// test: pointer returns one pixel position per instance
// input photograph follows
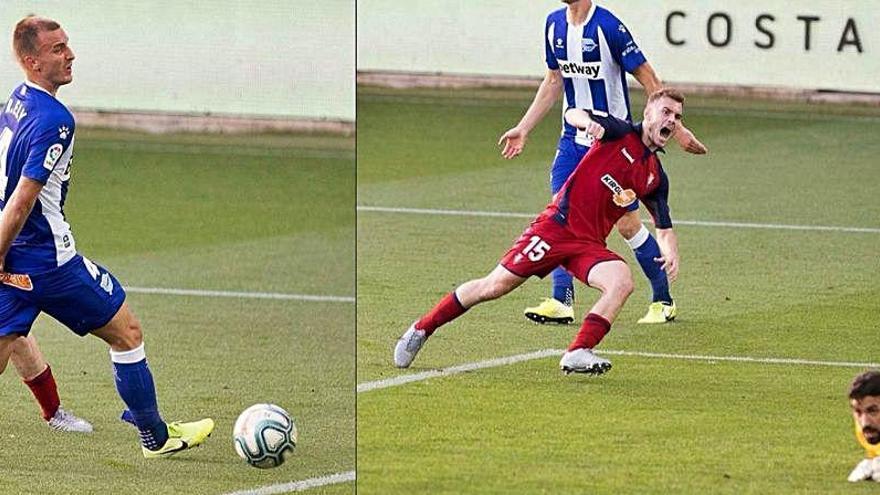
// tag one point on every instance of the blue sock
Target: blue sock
(134, 382)
(563, 286)
(646, 249)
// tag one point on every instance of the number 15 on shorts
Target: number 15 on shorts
(536, 249)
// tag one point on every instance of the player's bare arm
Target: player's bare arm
(668, 241)
(514, 140)
(581, 119)
(17, 209)
(647, 77)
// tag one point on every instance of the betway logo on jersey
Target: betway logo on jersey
(621, 197)
(580, 70)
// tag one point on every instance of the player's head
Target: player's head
(662, 115)
(40, 45)
(864, 397)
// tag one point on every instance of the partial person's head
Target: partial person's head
(864, 398)
(662, 116)
(40, 45)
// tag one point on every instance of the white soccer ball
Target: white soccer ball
(264, 434)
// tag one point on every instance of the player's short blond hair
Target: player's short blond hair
(672, 93)
(24, 38)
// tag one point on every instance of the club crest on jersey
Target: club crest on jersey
(621, 197)
(588, 45)
(52, 156)
(559, 43)
(580, 70)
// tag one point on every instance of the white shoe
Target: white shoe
(65, 421)
(584, 361)
(408, 346)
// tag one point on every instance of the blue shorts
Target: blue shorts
(80, 294)
(568, 155)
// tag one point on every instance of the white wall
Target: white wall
(282, 58)
(504, 37)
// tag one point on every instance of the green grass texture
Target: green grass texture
(249, 213)
(652, 425)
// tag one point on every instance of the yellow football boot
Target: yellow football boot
(182, 436)
(550, 311)
(659, 312)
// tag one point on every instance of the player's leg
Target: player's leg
(134, 383)
(559, 307)
(37, 375)
(5, 350)
(646, 249)
(494, 285)
(614, 279)
(87, 298)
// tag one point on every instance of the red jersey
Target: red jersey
(617, 171)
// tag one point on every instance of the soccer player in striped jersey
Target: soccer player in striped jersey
(40, 268)
(588, 53)
(864, 398)
(621, 168)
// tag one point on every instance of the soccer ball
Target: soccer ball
(264, 435)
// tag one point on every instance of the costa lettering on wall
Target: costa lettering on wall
(719, 29)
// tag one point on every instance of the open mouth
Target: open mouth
(665, 132)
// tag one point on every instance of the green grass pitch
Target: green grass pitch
(651, 425)
(260, 213)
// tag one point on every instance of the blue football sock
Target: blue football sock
(563, 286)
(134, 382)
(646, 249)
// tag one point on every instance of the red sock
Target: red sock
(445, 311)
(45, 391)
(591, 333)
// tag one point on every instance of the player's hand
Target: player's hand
(867, 470)
(689, 142)
(669, 264)
(514, 140)
(595, 130)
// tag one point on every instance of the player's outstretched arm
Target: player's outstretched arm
(668, 241)
(649, 79)
(514, 140)
(689, 142)
(581, 119)
(16, 211)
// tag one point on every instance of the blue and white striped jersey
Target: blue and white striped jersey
(36, 141)
(592, 58)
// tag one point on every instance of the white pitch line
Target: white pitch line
(245, 295)
(298, 486)
(519, 358)
(454, 370)
(698, 223)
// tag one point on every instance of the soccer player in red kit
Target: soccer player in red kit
(622, 168)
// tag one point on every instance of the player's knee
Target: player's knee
(133, 335)
(622, 288)
(492, 288)
(629, 226)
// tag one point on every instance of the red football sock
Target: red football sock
(591, 333)
(445, 311)
(45, 391)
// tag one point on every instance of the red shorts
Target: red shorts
(546, 244)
